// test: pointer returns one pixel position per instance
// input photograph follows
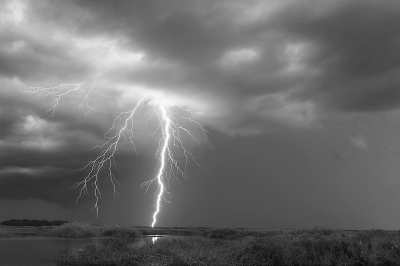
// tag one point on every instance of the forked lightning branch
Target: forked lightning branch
(170, 126)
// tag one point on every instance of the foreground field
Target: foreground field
(210, 246)
(250, 247)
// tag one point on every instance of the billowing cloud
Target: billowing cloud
(289, 57)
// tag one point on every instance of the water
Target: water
(40, 251)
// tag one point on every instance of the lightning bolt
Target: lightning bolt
(107, 155)
(170, 125)
(57, 93)
(164, 150)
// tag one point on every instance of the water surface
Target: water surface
(41, 251)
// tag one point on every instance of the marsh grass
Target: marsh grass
(323, 247)
(224, 233)
(120, 231)
(81, 230)
(192, 251)
(318, 246)
(109, 252)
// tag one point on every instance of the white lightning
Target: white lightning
(171, 124)
(107, 155)
(57, 93)
(161, 171)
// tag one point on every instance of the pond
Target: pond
(40, 251)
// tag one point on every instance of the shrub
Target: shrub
(75, 229)
(120, 231)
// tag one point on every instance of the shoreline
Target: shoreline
(46, 231)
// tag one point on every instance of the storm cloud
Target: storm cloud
(244, 65)
(250, 68)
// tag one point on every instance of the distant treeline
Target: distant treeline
(26, 222)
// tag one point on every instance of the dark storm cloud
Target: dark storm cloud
(249, 66)
(39, 156)
(192, 39)
(8, 118)
(37, 61)
(50, 174)
(357, 52)
(317, 56)
(336, 55)
(31, 55)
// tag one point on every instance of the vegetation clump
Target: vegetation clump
(76, 229)
(110, 252)
(364, 248)
(120, 231)
(81, 230)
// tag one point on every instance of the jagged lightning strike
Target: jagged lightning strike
(164, 149)
(170, 126)
(57, 93)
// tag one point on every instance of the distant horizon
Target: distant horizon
(268, 228)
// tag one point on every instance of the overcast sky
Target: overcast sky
(301, 102)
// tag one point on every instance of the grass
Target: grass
(224, 233)
(115, 252)
(318, 246)
(82, 230)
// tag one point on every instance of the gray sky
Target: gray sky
(300, 100)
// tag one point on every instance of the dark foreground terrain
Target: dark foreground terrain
(318, 246)
(247, 247)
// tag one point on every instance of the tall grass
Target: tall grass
(320, 250)
(308, 247)
(110, 252)
(120, 231)
(77, 229)
(224, 233)
(174, 252)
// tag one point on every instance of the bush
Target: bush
(77, 229)
(120, 231)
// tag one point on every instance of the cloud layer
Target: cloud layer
(245, 65)
(250, 67)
